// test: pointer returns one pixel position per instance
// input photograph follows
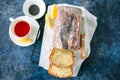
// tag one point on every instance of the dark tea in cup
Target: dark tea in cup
(22, 28)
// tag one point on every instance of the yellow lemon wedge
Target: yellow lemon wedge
(54, 11)
(25, 40)
(47, 20)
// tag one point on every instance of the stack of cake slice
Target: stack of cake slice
(61, 63)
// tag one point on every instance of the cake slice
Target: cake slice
(60, 72)
(62, 57)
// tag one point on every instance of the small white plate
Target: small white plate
(34, 25)
(39, 3)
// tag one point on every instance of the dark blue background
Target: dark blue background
(104, 60)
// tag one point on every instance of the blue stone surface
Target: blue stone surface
(102, 64)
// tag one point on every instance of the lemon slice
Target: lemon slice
(47, 20)
(54, 11)
(25, 40)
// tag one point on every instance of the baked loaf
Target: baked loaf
(60, 72)
(67, 28)
(62, 57)
(66, 39)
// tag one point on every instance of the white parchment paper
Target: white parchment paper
(90, 24)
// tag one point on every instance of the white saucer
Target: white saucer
(34, 25)
(39, 3)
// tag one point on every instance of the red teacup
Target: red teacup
(20, 27)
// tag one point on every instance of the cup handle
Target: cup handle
(11, 19)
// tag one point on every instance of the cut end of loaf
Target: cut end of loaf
(62, 57)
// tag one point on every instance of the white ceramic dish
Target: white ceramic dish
(34, 25)
(39, 3)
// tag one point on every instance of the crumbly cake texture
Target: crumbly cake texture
(61, 72)
(62, 57)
